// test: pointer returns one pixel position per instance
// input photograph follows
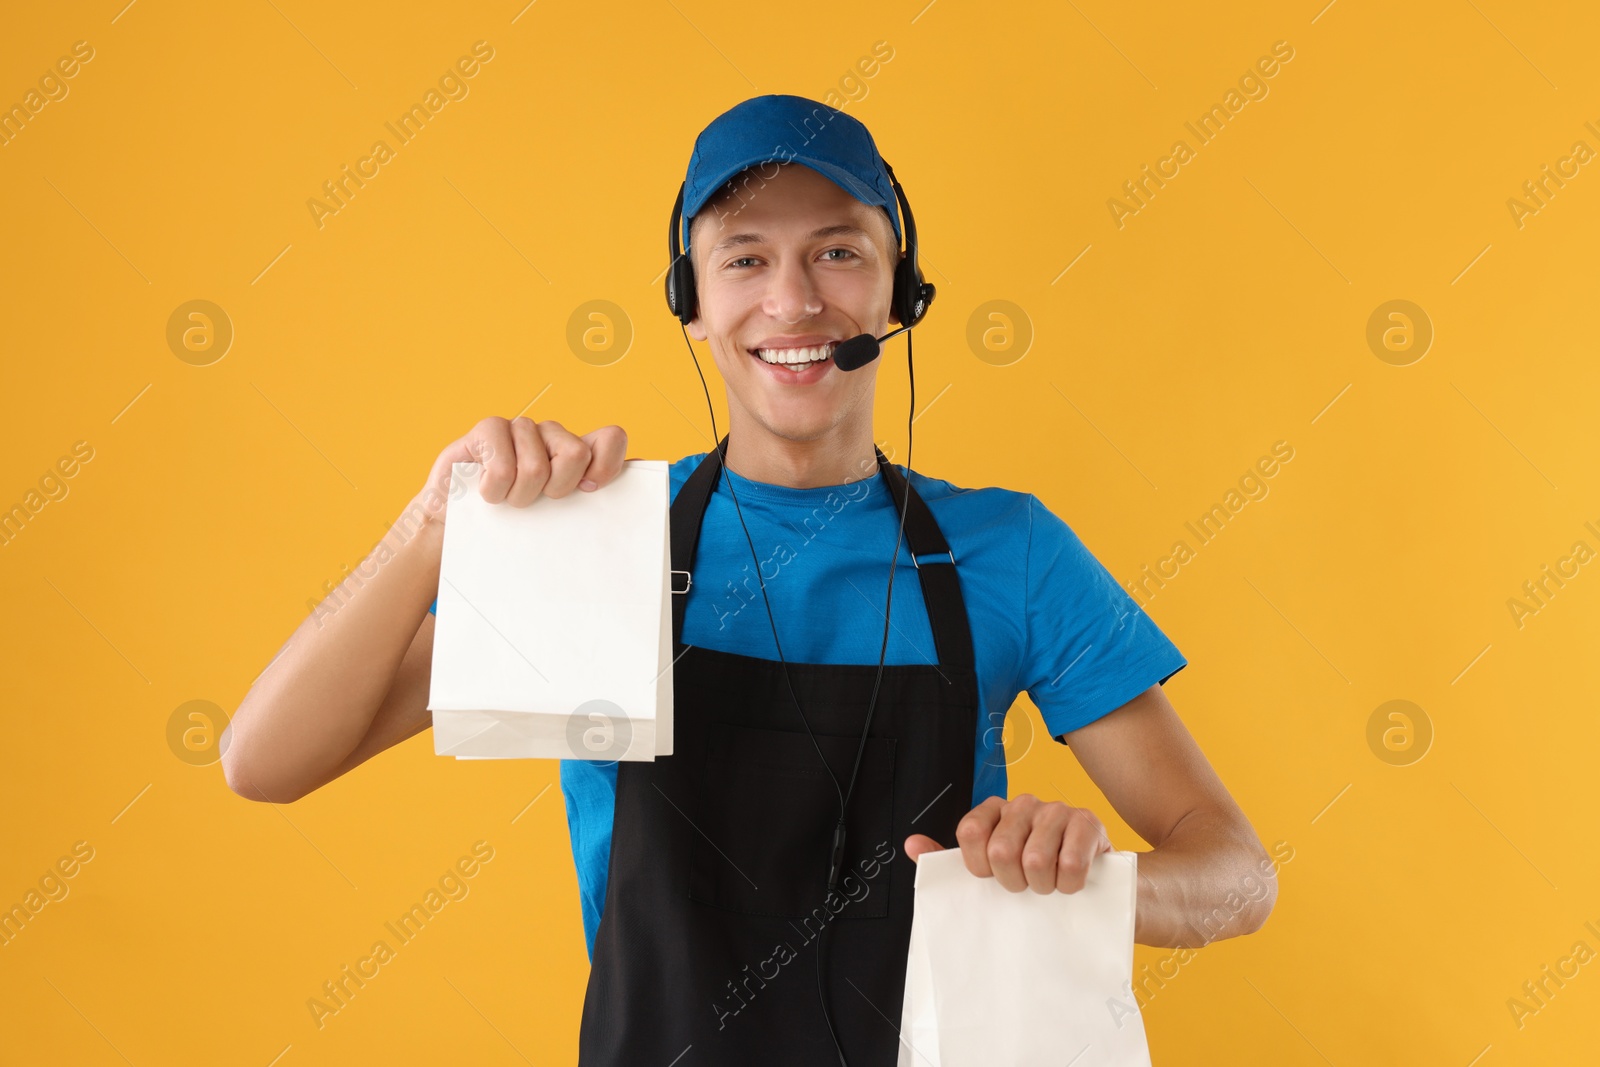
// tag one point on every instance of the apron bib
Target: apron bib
(717, 889)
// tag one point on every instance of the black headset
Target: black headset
(911, 295)
(910, 302)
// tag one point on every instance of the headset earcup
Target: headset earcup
(680, 289)
(691, 302)
(679, 282)
(909, 289)
(904, 298)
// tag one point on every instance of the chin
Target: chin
(802, 428)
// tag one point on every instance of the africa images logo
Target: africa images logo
(854, 890)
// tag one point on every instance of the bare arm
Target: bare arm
(353, 678)
(1207, 876)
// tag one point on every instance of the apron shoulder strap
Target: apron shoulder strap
(687, 512)
(941, 587)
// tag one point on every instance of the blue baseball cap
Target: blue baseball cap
(787, 129)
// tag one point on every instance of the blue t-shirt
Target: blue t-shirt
(1047, 618)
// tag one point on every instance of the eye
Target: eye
(742, 259)
(846, 251)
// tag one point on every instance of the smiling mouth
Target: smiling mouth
(795, 359)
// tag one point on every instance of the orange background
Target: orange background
(1229, 313)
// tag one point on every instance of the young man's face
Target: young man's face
(766, 278)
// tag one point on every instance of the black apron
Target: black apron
(719, 853)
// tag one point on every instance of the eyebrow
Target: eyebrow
(840, 230)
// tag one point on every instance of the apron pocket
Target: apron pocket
(766, 817)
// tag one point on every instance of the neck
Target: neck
(843, 455)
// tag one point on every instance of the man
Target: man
(706, 876)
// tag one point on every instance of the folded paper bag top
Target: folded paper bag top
(1023, 978)
(553, 637)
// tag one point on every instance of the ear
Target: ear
(696, 328)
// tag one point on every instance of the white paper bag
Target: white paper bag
(553, 637)
(1024, 979)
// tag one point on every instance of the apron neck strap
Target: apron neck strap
(930, 554)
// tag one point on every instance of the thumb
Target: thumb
(917, 844)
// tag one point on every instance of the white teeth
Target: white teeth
(797, 355)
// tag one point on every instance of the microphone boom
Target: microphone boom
(861, 349)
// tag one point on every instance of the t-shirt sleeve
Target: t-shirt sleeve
(433, 609)
(1090, 647)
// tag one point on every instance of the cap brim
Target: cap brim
(838, 175)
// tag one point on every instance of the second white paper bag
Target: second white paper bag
(1024, 979)
(553, 637)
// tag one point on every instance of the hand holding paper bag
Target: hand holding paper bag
(553, 637)
(1022, 979)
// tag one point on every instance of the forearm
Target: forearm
(316, 701)
(1209, 880)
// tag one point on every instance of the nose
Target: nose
(792, 295)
